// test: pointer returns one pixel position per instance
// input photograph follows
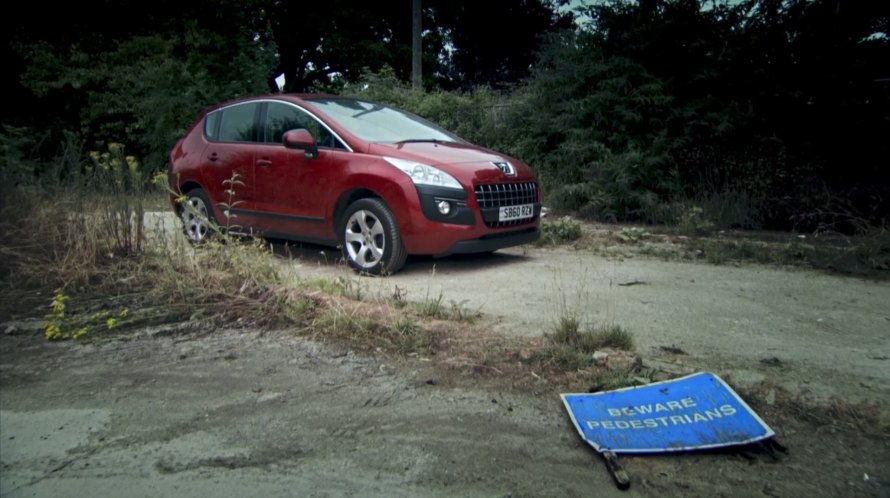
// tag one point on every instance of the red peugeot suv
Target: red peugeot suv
(380, 182)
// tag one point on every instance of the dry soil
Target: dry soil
(241, 412)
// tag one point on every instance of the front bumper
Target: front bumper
(467, 228)
(489, 243)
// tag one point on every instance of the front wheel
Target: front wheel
(370, 238)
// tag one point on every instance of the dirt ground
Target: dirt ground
(179, 412)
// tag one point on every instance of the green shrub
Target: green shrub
(631, 235)
(873, 252)
(692, 221)
(561, 231)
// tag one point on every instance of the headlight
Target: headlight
(421, 174)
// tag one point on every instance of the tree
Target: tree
(464, 43)
(595, 128)
(782, 98)
(140, 82)
(494, 42)
(322, 46)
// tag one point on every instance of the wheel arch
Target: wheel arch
(347, 198)
(187, 187)
(399, 195)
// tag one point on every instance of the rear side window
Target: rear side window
(236, 123)
(211, 125)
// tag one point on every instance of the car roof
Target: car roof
(298, 97)
(313, 96)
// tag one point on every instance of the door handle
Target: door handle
(263, 162)
(213, 156)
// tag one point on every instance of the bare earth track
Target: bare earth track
(251, 413)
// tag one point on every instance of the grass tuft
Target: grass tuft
(435, 307)
(568, 332)
(571, 348)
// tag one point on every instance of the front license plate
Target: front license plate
(519, 212)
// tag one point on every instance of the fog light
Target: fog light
(444, 207)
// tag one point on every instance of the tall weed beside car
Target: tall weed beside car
(69, 224)
(80, 229)
(120, 186)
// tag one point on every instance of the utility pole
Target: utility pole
(416, 48)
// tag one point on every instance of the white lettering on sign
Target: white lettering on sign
(691, 417)
(669, 406)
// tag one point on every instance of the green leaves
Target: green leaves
(147, 89)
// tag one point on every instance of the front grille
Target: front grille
(490, 197)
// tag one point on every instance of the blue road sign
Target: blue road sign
(695, 412)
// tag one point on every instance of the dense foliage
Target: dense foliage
(752, 113)
(787, 102)
(743, 114)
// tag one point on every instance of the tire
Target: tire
(370, 238)
(197, 217)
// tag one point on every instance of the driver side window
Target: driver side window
(282, 117)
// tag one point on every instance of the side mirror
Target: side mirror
(301, 139)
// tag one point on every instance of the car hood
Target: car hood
(462, 160)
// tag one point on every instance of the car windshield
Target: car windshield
(375, 122)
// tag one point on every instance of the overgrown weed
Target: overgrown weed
(833, 414)
(436, 307)
(865, 255)
(578, 352)
(692, 221)
(86, 233)
(571, 347)
(371, 327)
(560, 231)
(432, 307)
(631, 235)
(341, 286)
(569, 333)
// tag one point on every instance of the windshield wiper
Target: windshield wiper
(421, 140)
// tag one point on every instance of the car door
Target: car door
(229, 162)
(291, 186)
